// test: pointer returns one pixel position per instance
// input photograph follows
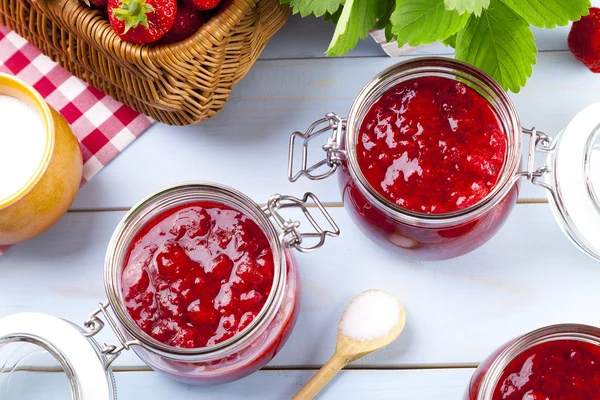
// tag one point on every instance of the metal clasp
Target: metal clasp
(94, 325)
(291, 234)
(333, 153)
(539, 142)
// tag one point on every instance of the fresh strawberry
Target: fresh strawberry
(584, 40)
(141, 21)
(187, 22)
(96, 3)
(202, 4)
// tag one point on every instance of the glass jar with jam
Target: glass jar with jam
(429, 161)
(202, 284)
(556, 362)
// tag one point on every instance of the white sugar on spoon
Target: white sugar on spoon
(371, 315)
(372, 320)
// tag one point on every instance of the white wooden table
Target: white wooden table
(458, 311)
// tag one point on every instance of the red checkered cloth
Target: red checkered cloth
(103, 126)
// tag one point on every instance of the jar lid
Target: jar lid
(575, 180)
(78, 355)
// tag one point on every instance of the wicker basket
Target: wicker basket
(178, 84)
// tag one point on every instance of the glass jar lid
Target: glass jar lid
(32, 343)
(574, 180)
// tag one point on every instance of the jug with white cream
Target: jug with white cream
(40, 163)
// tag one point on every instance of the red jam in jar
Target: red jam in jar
(197, 274)
(556, 370)
(432, 145)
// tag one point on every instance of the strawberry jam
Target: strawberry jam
(432, 145)
(556, 370)
(197, 274)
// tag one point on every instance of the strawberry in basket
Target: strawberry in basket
(96, 3)
(187, 22)
(141, 21)
(202, 4)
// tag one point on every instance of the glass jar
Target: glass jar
(232, 359)
(442, 236)
(487, 376)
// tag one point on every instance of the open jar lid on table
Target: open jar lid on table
(572, 177)
(31, 343)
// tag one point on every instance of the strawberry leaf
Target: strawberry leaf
(451, 41)
(549, 13)
(316, 7)
(384, 20)
(389, 36)
(357, 19)
(500, 43)
(467, 6)
(335, 17)
(419, 22)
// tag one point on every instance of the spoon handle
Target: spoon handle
(321, 378)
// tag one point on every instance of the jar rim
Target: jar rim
(577, 332)
(448, 68)
(165, 199)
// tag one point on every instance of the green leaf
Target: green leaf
(316, 7)
(335, 17)
(419, 22)
(384, 21)
(356, 20)
(549, 13)
(389, 36)
(133, 13)
(500, 43)
(467, 6)
(451, 41)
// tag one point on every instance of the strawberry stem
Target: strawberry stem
(133, 13)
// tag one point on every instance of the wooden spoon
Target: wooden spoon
(347, 351)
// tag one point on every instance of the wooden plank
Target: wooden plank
(246, 145)
(272, 385)
(280, 385)
(458, 311)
